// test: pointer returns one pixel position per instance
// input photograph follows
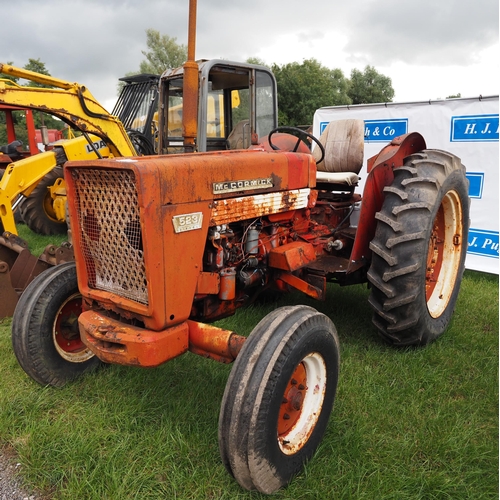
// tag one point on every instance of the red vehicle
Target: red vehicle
(15, 149)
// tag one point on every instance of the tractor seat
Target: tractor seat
(239, 138)
(344, 178)
(12, 148)
(343, 141)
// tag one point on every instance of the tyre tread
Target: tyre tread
(400, 246)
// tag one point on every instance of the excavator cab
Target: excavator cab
(136, 108)
(237, 105)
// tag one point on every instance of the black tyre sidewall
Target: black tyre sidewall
(248, 436)
(401, 245)
(237, 403)
(264, 439)
(32, 328)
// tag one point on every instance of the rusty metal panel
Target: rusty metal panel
(380, 168)
(247, 207)
(397, 150)
(100, 239)
(316, 289)
(208, 283)
(183, 252)
(292, 256)
(8, 295)
(225, 174)
(168, 191)
(115, 342)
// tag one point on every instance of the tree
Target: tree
(256, 60)
(164, 53)
(370, 86)
(38, 67)
(303, 88)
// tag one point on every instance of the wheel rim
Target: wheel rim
(48, 207)
(65, 333)
(444, 254)
(302, 403)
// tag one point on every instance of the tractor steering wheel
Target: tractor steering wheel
(301, 135)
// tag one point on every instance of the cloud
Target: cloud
(444, 32)
(95, 42)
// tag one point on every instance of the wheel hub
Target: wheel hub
(291, 405)
(444, 254)
(65, 333)
(301, 404)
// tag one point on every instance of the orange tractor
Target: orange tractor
(166, 245)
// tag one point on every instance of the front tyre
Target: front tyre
(419, 249)
(45, 334)
(279, 397)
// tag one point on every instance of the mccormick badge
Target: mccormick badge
(235, 186)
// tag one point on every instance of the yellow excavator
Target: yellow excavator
(34, 185)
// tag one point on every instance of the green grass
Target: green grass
(38, 242)
(407, 424)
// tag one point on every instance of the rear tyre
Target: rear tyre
(419, 249)
(279, 397)
(37, 210)
(45, 334)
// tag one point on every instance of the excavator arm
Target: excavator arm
(71, 102)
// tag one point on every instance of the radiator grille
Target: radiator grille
(109, 224)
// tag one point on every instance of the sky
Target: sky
(430, 49)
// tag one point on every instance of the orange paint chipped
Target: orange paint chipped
(248, 207)
(115, 342)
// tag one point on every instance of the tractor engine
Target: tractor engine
(239, 252)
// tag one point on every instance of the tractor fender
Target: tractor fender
(380, 174)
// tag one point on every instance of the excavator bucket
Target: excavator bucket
(18, 267)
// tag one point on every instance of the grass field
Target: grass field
(407, 424)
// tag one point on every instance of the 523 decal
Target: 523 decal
(187, 222)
